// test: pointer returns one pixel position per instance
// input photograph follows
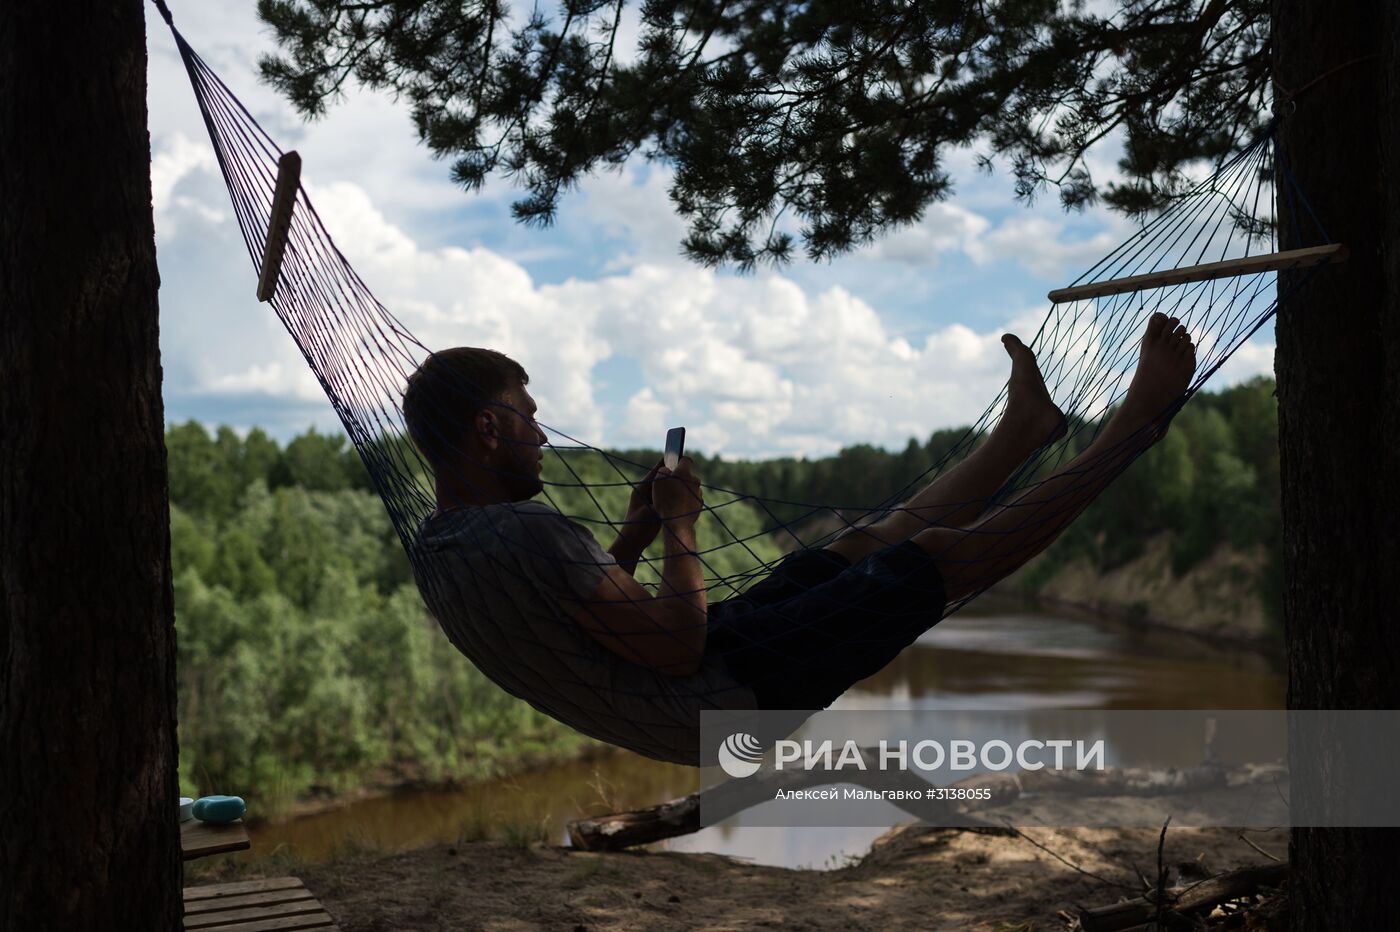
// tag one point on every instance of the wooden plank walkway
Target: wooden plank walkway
(277, 904)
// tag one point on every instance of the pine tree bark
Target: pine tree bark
(89, 833)
(1338, 367)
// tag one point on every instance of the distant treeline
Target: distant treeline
(306, 658)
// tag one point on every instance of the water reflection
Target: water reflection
(970, 661)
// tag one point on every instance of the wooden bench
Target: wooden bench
(278, 904)
(201, 839)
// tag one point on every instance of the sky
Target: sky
(622, 336)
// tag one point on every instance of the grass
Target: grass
(476, 826)
(836, 861)
(280, 793)
(357, 841)
(524, 831)
(520, 831)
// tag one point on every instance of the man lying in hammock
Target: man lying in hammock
(555, 619)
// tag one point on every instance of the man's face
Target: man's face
(520, 454)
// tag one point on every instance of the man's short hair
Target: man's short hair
(448, 390)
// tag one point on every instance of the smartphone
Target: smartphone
(675, 446)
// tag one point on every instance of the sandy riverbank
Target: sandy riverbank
(913, 878)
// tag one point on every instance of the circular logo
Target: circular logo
(740, 755)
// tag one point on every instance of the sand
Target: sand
(915, 877)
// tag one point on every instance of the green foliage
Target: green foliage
(1212, 481)
(837, 115)
(319, 463)
(306, 660)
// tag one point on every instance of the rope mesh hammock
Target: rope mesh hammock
(1087, 348)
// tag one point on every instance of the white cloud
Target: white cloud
(1043, 246)
(644, 419)
(632, 205)
(271, 378)
(452, 296)
(759, 365)
(174, 159)
(1255, 357)
(1038, 238)
(945, 227)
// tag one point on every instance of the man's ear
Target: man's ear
(488, 428)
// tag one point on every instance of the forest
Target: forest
(307, 663)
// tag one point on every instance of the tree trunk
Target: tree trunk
(1338, 366)
(89, 830)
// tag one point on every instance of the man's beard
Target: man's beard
(524, 486)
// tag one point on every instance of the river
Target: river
(972, 660)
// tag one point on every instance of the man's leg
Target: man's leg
(961, 493)
(973, 558)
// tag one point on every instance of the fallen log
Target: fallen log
(643, 826)
(1196, 898)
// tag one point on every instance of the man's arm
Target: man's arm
(627, 549)
(667, 631)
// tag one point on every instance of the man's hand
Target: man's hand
(640, 525)
(676, 496)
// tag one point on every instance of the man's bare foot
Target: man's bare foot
(1030, 411)
(1165, 366)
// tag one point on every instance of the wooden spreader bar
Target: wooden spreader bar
(1230, 268)
(279, 224)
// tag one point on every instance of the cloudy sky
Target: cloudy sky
(622, 336)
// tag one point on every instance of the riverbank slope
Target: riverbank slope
(1219, 598)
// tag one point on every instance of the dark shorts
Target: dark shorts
(817, 624)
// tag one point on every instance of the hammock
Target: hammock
(1208, 258)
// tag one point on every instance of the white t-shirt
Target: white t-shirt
(493, 577)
